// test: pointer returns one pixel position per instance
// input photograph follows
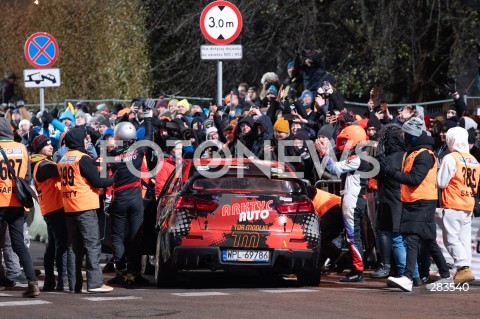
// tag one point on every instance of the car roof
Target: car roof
(237, 166)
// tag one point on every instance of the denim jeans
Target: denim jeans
(14, 216)
(84, 237)
(399, 248)
(56, 250)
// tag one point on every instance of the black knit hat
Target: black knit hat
(373, 121)
(326, 130)
(40, 142)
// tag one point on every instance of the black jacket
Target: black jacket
(74, 140)
(389, 210)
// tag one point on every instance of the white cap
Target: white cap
(211, 129)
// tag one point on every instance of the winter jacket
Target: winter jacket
(389, 210)
(418, 216)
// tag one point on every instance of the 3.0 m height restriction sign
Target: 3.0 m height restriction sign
(221, 22)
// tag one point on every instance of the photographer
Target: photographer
(303, 111)
(313, 68)
(328, 99)
(293, 83)
(270, 104)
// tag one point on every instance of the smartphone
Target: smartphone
(288, 117)
(138, 103)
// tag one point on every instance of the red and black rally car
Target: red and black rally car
(234, 214)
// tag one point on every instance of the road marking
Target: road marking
(200, 294)
(5, 295)
(111, 298)
(23, 303)
(281, 291)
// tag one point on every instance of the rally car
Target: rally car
(234, 214)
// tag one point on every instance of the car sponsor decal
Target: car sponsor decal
(13, 151)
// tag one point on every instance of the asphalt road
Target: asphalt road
(247, 295)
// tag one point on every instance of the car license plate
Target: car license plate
(256, 256)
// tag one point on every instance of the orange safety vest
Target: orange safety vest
(427, 189)
(77, 194)
(18, 157)
(323, 201)
(458, 194)
(49, 192)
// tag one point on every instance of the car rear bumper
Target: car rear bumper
(283, 260)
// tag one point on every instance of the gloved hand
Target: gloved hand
(47, 117)
(385, 167)
(450, 86)
(149, 104)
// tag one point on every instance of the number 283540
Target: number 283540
(450, 287)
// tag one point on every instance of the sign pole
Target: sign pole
(219, 82)
(42, 99)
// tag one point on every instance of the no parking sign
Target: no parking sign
(41, 50)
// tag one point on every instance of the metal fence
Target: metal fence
(332, 186)
(473, 103)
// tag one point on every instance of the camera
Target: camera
(292, 93)
(326, 89)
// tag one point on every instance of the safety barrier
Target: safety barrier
(357, 107)
(332, 186)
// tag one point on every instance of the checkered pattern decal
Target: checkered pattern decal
(181, 224)
(311, 229)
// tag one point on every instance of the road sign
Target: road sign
(41, 50)
(221, 52)
(221, 22)
(41, 78)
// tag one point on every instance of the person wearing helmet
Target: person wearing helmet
(126, 209)
(354, 187)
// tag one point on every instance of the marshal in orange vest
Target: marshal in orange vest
(49, 192)
(427, 189)
(77, 194)
(18, 158)
(458, 194)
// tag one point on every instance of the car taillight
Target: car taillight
(304, 206)
(201, 205)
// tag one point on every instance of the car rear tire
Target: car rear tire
(147, 267)
(309, 277)
(165, 272)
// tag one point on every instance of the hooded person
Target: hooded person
(456, 176)
(264, 129)
(11, 210)
(80, 180)
(418, 193)
(246, 132)
(373, 127)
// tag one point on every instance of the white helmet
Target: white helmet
(125, 131)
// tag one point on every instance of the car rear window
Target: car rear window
(246, 184)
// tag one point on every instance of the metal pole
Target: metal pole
(42, 99)
(219, 82)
